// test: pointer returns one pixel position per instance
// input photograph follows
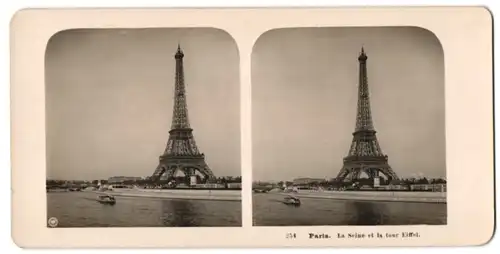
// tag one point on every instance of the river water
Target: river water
(268, 210)
(79, 209)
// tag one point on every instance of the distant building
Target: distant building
(302, 181)
(234, 185)
(121, 179)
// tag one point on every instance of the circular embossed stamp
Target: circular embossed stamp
(52, 222)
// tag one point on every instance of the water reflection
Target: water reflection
(366, 213)
(79, 209)
(179, 213)
(268, 212)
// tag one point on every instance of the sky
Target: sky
(304, 96)
(109, 100)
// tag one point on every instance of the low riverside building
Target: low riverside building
(306, 180)
(234, 185)
(307, 183)
(122, 179)
(218, 186)
(428, 187)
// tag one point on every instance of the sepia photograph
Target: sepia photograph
(348, 127)
(143, 128)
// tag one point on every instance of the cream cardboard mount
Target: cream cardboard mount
(464, 36)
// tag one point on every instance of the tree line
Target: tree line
(363, 181)
(219, 180)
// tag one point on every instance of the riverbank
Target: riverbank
(384, 196)
(193, 194)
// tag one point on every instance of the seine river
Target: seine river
(268, 210)
(79, 209)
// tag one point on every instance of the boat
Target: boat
(291, 200)
(106, 199)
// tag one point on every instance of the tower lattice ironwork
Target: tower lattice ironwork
(365, 154)
(181, 153)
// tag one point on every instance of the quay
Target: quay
(373, 196)
(186, 194)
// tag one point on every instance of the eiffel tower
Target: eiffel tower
(365, 154)
(181, 153)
